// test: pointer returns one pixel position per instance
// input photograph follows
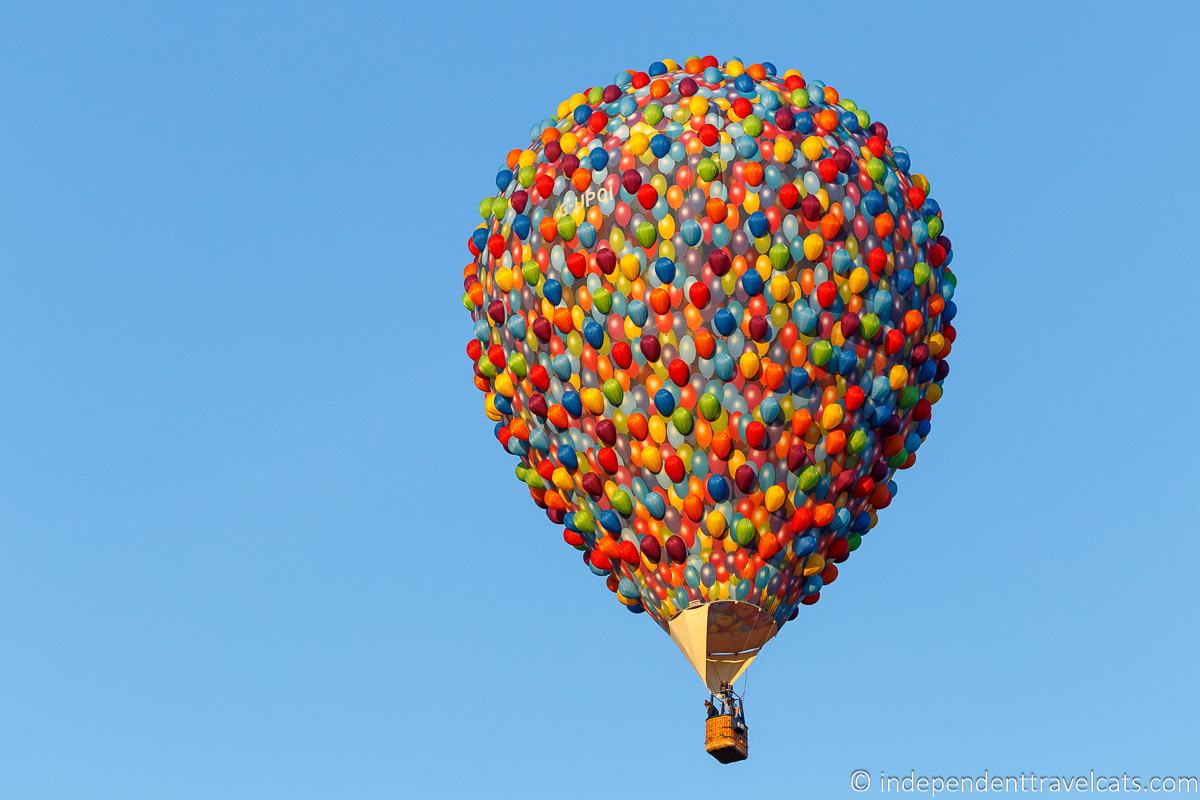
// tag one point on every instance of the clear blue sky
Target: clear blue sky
(256, 539)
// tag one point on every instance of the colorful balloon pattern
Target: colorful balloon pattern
(712, 309)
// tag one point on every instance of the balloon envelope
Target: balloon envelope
(712, 309)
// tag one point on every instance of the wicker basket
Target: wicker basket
(723, 741)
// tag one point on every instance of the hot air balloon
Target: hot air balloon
(712, 309)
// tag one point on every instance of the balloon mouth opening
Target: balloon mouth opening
(720, 639)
